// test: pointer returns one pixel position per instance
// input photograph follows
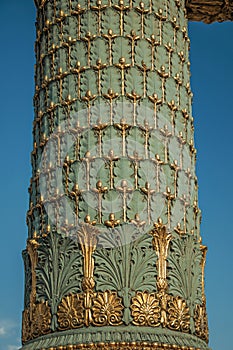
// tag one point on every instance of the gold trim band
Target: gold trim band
(123, 346)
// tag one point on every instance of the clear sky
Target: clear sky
(212, 84)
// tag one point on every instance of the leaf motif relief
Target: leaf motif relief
(124, 172)
(98, 172)
(88, 82)
(88, 143)
(100, 51)
(110, 21)
(78, 54)
(154, 84)
(134, 81)
(111, 79)
(89, 23)
(143, 53)
(128, 266)
(152, 26)
(137, 206)
(59, 270)
(185, 270)
(112, 203)
(132, 22)
(120, 49)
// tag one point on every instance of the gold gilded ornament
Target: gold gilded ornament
(26, 326)
(112, 222)
(71, 312)
(107, 309)
(145, 309)
(161, 241)
(87, 237)
(41, 319)
(201, 322)
(32, 246)
(178, 317)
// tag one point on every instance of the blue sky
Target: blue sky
(212, 84)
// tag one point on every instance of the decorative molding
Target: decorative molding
(210, 11)
(124, 346)
(110, 335)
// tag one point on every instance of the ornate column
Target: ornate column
(114, 258)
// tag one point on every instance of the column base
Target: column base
(127, 338)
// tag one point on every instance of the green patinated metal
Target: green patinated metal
(113, 134)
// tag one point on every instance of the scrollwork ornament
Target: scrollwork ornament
(107, 309)
(201, 322)
(178, 317)
(71, 312)
(145, 309)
